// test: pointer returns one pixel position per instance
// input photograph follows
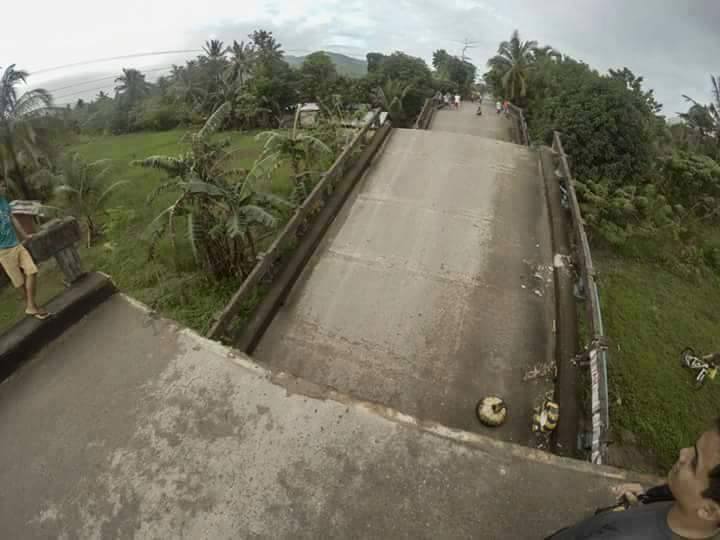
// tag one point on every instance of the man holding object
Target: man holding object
(688, 506)
(16, 260)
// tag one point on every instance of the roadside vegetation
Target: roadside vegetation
(650, 196)
(181, 182)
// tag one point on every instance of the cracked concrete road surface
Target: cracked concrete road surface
(433, 287)
(129, 427)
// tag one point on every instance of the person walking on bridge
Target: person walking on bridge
(688, 506)
(16, 260)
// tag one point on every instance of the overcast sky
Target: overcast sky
(675, 44)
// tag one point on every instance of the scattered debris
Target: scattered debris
(537, 292)
(560, 261)
(546, 416)
(541, 370)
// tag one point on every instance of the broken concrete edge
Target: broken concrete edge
(286, 278)
(564, 440)
(28, 335)
(297, 386)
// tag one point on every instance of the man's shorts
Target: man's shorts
(17, 263)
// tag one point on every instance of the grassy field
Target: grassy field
(650, 316)
(172, 287)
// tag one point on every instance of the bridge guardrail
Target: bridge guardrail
(294, 228)
(56, 239)
(596, 349)
(521, 124)
(426, 114)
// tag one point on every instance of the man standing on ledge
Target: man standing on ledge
(687, 507)
(16, 260)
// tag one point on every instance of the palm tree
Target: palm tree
(706, 117)
(131, 86)
(214, 50)
(81, 189)
(513, 61)
(224, 207)
(241, 62)
(19, 115)
(391, 97)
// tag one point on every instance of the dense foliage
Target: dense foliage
(637, 177)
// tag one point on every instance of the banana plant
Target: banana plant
(301, 149)
(224, 207)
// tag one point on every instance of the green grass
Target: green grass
(172, 286)
(650, 315)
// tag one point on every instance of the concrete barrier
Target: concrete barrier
(57, 239)
(271, 264)
(522, 135)
(425, 117)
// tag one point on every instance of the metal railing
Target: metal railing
(596, 349)
(293, 228)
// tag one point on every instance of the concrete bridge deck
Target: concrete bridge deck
(129, 427)
(422, 295)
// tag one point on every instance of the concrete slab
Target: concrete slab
(19, 342)
(129, 427)
(415, 299)
(490, 125)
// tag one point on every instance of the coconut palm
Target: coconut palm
(20, 145)
(513, 61)
(214, 50)
(224, 207)
(131, 86)
(82, 189)
(241, 62)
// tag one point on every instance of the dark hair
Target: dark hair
(713, 490)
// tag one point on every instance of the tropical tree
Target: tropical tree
(318, 77)
(82, 189)
(513, 62)
(131, 87)
(391, 97)
(242, 59)
(20, 115)
(225, 207)
(706, 117)
(302, 150)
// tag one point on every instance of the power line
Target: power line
(108, 86)
(110, 59)
(75, 85)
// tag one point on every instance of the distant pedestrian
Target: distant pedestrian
(457, 101)
(498, 106)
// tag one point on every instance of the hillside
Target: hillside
(346, 65)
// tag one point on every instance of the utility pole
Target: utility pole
(467, 44)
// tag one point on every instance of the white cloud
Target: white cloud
(674, 44)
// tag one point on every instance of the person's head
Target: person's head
(695, 478)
